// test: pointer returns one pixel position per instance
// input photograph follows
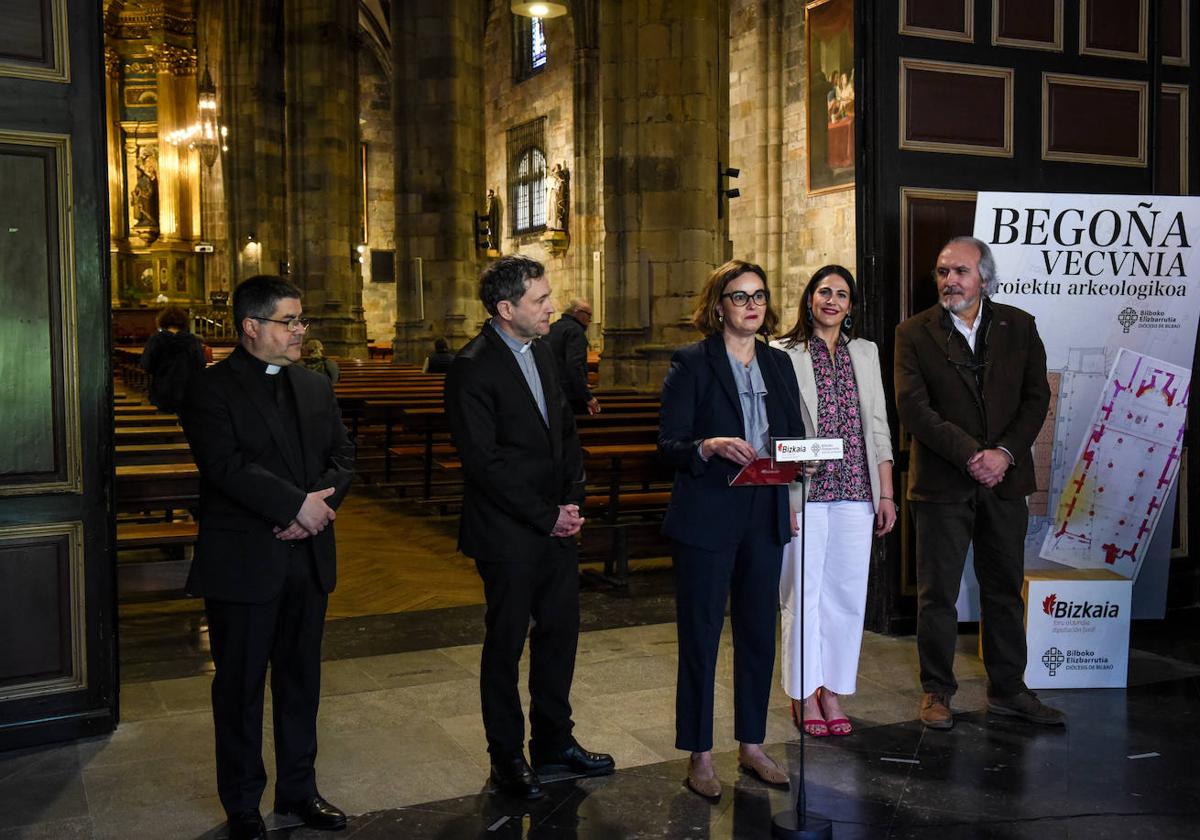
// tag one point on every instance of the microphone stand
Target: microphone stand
(797, 823)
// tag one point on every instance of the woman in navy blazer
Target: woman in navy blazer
(723, 399)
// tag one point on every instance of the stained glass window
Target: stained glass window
(530, 53)
(537, 44)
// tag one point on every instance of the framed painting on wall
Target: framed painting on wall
(829, 71)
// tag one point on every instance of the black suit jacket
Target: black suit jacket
(517, 469)
(700, 400)
(950, 419)
(252, 480)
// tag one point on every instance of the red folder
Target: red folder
(762, 471)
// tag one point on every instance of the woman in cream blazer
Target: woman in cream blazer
(841, 395)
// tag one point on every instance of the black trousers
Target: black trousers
(538, 599)
(747, 575)
(285, 632)
(996, 527)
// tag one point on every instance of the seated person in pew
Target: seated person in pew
(315, 360)
(171, 357)
(440, 359)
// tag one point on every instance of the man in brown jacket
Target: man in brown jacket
(971, 389)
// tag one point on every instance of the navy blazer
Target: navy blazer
(700, 400)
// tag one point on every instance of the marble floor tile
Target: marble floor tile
(31, 799)
(413, 668)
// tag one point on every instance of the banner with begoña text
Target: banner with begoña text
(1112, 281)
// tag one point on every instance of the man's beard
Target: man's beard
(965, 303)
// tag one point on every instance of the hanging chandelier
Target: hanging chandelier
(207, 136)
(538, 9)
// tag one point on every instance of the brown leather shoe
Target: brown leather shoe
(763, 769)
(935, 711)
(707, 786)
(1026, 706)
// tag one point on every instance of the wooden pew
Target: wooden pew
(628, 488)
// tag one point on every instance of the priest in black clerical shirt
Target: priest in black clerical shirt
(275, 462)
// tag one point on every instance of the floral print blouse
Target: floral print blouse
(838, 416)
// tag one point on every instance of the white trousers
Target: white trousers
(837, 539)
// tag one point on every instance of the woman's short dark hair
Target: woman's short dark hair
(507, 279)
(802, 332)
(257, 297)
(705, 317)
(172, 316)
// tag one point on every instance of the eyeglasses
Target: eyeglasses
(292, 324)
(971, 365)
(739, 298)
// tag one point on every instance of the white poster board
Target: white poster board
(1077, 630)
(1103, 275)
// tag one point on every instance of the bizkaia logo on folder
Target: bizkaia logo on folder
(1051, 606)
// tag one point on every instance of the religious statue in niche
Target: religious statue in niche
(143, 196)
(494, 216)
(560, 198)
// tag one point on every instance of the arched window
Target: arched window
(526, 145)
(529, 192)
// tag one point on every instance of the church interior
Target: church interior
(380, 155)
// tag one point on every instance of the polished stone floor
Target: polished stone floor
(402, 750)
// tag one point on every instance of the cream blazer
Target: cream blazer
(872, 406)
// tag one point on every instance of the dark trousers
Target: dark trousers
(538, 599)
(285, 632)
(996, 527)
(747, 574)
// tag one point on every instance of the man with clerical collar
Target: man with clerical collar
(275, 462)
(523, 487)
(971, 389)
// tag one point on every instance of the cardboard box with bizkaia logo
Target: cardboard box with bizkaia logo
(1077, 628)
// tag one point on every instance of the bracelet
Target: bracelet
(889, 498)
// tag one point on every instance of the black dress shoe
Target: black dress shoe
(575, 759)
(247, 825)
(315, 811)
(514, 777)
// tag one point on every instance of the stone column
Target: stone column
(323, 177)
(439, 163)
(586, 219)
(665, 110)
(254, 167)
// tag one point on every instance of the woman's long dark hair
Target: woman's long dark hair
(802, 331)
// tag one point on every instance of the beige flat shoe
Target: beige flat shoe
(707, 786)
(764, 769)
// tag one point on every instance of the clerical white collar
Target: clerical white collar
(514, 344)
(273, 369)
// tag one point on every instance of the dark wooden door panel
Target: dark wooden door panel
(57, 618)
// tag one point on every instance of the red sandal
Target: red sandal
(816, 727)
(836, 726)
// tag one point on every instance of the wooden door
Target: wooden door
(962, 96)
(57, 620)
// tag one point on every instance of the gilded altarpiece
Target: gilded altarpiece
(154, 183)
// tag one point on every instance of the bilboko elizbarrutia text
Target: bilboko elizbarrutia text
(1133, 252)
